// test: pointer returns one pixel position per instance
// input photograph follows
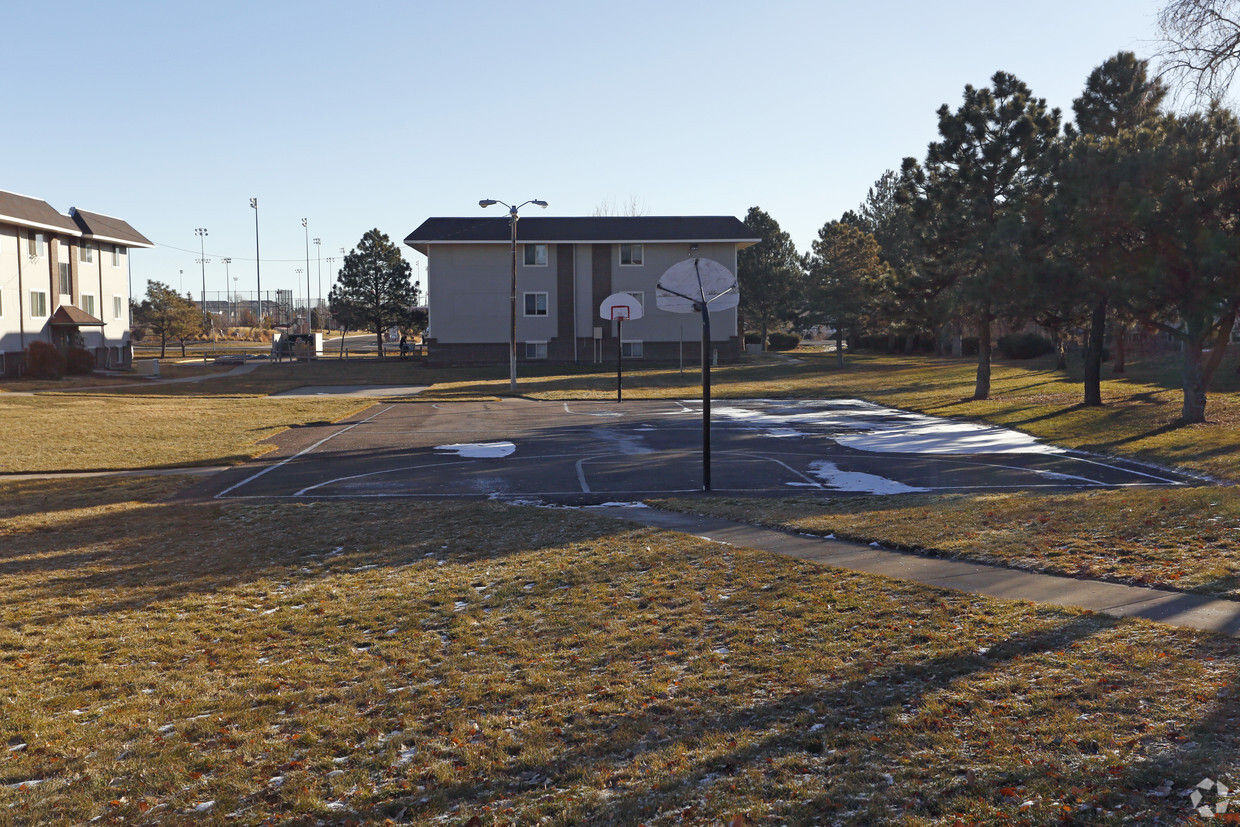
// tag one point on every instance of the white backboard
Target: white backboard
(617, 303)
(697, 281)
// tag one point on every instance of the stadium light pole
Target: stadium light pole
(306, 226)
(227, 304)
(258, 269)
(201, 232)
(512, 315)
(318, 261)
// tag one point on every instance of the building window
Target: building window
(66, 279)
(535, 350)
(117, 252)
(631, 350)
(86, 253)
(536, 304)
(640, 295)
(35, 244)
(88, 303)
(118, 307)
(535, 255)
(38, 304)
(631, 255)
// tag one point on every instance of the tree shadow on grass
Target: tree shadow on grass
(858, 717)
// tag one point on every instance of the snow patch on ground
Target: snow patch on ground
(479, 450)
(839, 480)
(868, 427)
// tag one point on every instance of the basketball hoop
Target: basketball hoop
(620, 308)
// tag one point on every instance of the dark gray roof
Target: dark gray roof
(32, 212)
(597, 229)
(107, 228)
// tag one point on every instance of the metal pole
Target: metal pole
(306, 226)
(619, 360)
(318, 252)
(258, 262)
(512, 330)
(705, 396)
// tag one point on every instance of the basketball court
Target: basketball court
(592, 452)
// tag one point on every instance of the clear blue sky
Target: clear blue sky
(380, 114)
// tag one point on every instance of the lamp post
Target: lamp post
(236, 304)
(318, 252)
(201, 232)
(227, 304)
(297, 281)
(512, 315)
(258, 270)
(306, 226)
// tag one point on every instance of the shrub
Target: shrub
(778, 340)
(79, 362)
(753, 338)
(1027, 345)
(44, 361)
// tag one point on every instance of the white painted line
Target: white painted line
(372, 474)
(303, 451)
(1125, 470)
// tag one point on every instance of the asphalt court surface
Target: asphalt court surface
(597, 451)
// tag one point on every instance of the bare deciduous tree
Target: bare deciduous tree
(1201, 45)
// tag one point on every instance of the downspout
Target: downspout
(21, 299)
(575, 331)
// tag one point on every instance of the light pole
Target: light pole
(226, 261)
(512, 315)
(306, 226)
(236, 304)
(297, 281)
(330, 261)
(201, 232)
(258, 270)
(318, 252)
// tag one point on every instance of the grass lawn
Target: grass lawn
(476, 664)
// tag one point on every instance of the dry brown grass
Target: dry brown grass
(482, 664)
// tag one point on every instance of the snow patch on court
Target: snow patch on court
(868, 427)
(479, 450)
(839, 480)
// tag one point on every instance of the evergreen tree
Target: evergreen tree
(977, 176)
(842, 278)
(1119, 96)
(769, 274)
(375, 288)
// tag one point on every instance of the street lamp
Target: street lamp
(512, 315)
(258, 270)
(201, 232)
(306, 226)
(318, 252)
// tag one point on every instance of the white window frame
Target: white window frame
(640, 295)
(632, 348)
(525, 255)
(117, 252)
(41, 312)
(641, 255)
(88, 298)
(118, 306)
(36, 244)
(525, 304)
(86, 253)
(539, 350)
(64, 278)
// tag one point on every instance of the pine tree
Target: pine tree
(977, 176)
(375, 286)
(769, 274)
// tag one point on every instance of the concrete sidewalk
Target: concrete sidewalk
(1173, 608)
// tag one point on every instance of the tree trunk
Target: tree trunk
(764, 334)
(982, 388)
(379, 340)
(163, 345)
(1121, 348)
(910, 339)
(1093, 354)
(1194, 409)
(891, 341)
(1220, 347)
(1061, 353)
(957, 341)
(839, 347)
(182, 348)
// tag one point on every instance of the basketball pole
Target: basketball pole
(705, 395)
(619, 359)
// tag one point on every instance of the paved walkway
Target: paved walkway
(1173, 608)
